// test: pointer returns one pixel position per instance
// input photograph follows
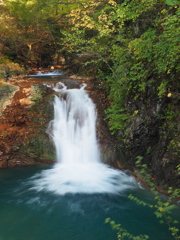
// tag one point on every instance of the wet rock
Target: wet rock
(20, 160)
(155, 139)
(149, 134)
(37, 144)
(39, 147)
(4, 148)
(3, 163)
(38, 92)
(6, 93)
(23, 137)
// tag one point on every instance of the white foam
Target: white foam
(83, 178)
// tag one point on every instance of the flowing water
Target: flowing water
(72, 198)
(40, 74)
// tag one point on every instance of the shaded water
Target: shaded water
(71, 200)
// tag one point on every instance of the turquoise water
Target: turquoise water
(26, 214)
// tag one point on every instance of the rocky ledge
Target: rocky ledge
(26, 109)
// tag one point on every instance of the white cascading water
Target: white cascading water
(78, 168)
(73, 127)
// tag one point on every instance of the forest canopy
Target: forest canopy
(131, 47)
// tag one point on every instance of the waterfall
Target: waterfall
(73, 127)
(78, 168)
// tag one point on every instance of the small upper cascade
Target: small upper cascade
(46, 74)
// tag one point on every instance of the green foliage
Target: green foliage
(30, 30)
(118, 118)
(178, 167)
(137, 41)
(123, 233)
(163, 209)
(172, 2)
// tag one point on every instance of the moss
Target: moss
(6, 93)
(38, 92)
(37, 143)
(10, 69)
(39, 147)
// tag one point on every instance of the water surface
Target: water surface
(26, 214)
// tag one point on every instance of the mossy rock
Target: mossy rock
(38, 144)
(38, 91)
(6, 92)
(10, 69)
(39, 147)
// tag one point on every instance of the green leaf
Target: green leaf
(158, 214)
(169, 208)
(171, 2)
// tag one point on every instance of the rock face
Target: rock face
(152, 135)
(23, 124)
(109, 146)
(6, 93)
